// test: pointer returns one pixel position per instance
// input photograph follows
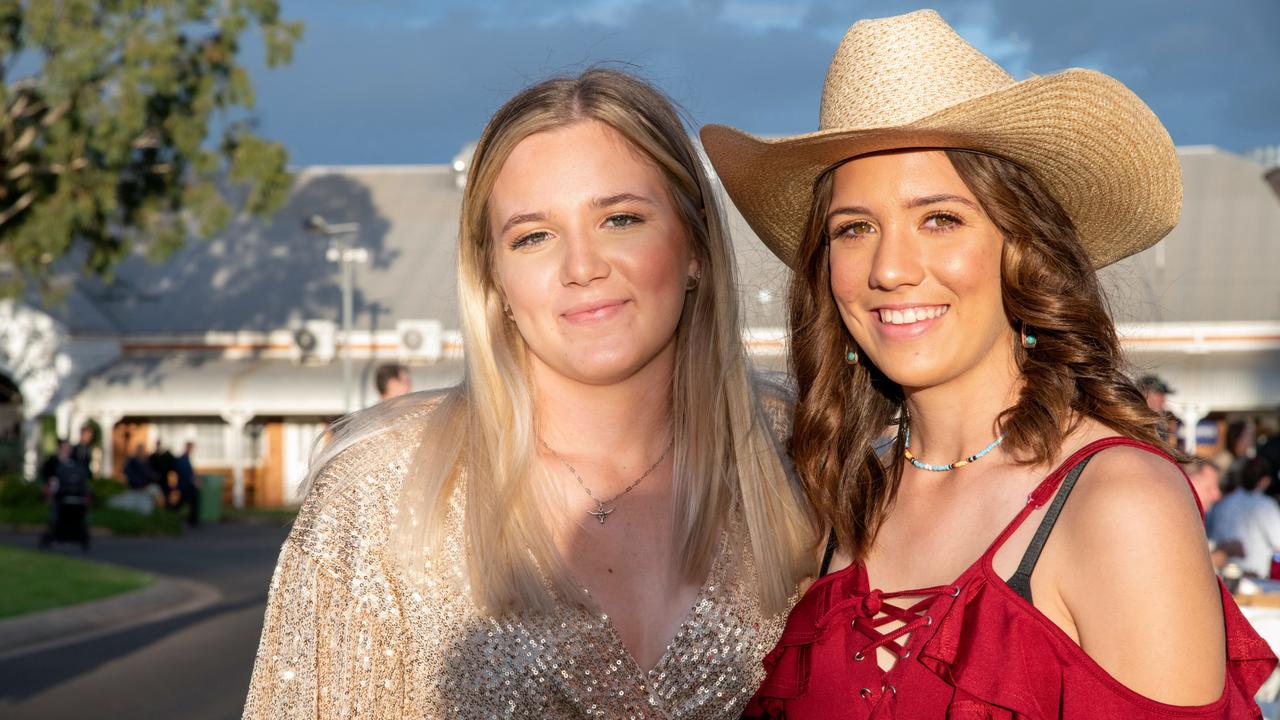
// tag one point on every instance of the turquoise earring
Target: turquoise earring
(1028, 341)
(851, 356)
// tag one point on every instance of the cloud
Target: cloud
(404, 81)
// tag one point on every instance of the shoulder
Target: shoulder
(357, 470)
(1135, 513)
(1137, 566)
(1121, 479)
(776, 396)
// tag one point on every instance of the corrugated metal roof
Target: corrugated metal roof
(1220, 264)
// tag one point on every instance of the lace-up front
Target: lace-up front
(868, 613)
(971, 650)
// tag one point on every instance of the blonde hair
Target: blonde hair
(724, 456)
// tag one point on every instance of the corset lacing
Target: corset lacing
(870, 612)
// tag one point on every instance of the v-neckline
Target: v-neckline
(613, 637)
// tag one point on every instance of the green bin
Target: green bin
(210, 498)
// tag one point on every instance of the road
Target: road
(194, 666)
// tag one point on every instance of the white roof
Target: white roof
(182, 385)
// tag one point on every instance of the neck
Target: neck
(629, 417)
(955, 419)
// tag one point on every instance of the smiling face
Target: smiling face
(589, 253)
(915, 268)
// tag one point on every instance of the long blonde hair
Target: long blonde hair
(724, 455)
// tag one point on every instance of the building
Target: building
(1202, 307)
(235, 342)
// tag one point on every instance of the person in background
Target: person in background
(82, 452)
(1231, 460)
(1156, 391)
(137, 472)
(161, 464)
(392, 380)
(1204, 480)
(67, 490)
(188, 487)
(1250, 516)
(49, 468)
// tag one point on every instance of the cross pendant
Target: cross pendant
(600, 513)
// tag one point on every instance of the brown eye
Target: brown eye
(942, 221)
(855, 229)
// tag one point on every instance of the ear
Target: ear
(695, 265)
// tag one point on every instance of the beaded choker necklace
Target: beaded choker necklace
(906, 453)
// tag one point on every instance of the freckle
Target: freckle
(610, 570)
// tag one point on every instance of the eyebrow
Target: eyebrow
(596, 203)
(522, 218)
(910, 204)
(611, 200)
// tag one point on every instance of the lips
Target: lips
(593, 311)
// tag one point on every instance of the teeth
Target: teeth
(912, 315)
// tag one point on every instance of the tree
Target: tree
(106, 141)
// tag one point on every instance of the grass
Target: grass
(22, 504)
(36, 581)
(280, 517)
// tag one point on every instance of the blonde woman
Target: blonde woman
(596, 522)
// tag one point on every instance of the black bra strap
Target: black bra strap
(826, 556)
(1021, 580)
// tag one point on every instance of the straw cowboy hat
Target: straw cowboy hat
(912, 82)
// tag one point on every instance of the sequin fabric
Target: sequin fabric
(346, 636)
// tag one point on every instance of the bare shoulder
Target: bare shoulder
(1119, 476)
(1135, 567)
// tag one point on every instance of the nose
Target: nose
(896, 261)
(582, 262)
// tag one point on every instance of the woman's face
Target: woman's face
(915, 268)
(589, 252)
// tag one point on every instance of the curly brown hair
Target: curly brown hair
(1049, 286)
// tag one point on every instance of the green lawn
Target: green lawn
(280, 517)
(39, 580)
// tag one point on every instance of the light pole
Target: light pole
(342, 250)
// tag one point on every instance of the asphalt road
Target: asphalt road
(194, 666)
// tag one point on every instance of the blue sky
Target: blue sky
(410, 81)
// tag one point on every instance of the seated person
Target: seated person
(1250, 516)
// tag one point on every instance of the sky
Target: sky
(412, 81)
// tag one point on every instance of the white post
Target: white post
(106, 425)
(237, 420)
(1190, 414)
(30, 447)
(65, 421)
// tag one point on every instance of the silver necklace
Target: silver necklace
(605, 507)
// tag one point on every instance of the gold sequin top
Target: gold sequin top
(346, 636)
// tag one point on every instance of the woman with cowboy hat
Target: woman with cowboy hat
(1026, 546)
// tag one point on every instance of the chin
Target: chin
(913, 372)
(603, 373)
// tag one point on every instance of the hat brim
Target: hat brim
(1096, 147)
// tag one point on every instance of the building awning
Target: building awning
(190, 385)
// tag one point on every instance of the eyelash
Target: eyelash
(954, 220)
(539, 235)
